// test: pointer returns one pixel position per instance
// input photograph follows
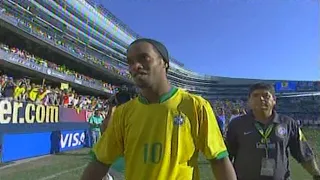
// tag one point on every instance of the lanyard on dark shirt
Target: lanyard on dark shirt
(265, 135)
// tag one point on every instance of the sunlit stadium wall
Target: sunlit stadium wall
(29, 130)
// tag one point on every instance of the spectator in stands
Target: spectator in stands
(234, 113)
(222, 118)
(220, 124)
(65, 98)
(95, 122)
(42, 95)
(2, 82)
(243, 111)
(19, 92)
(8, 88)
(75, 101)
(33, 94)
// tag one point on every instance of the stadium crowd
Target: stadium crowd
(27, 57)
(21, 88)
(24, 90)
(304, 109)
(54, 37)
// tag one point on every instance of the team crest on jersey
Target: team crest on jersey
(281, 131)
(178, 120)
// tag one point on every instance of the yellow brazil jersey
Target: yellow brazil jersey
(33, 94)
(18, 91)
(161, 141)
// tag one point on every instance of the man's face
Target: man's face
(145, 64)
(261, 99)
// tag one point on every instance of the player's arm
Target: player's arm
(212, 144)
(302, 152)
(108, 148)
(95, 171)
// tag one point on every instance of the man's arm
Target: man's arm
(302, 152)
(212, 144)
(312, 167)
(108, 148)
(95, 171)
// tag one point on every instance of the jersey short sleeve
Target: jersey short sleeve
(111, 144)
(210, 138)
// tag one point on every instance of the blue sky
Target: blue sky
(268, 39)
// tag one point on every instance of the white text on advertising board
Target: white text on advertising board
(27, 113)
(72, 139)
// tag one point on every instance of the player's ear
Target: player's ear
(166, 65)
(274, 100)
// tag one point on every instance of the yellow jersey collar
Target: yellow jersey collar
(163, 98)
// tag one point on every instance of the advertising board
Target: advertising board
(22, 145)
(30, 130)
(13, 112)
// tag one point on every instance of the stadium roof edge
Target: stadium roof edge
(249, 80)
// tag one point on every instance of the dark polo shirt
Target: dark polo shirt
(243, 141)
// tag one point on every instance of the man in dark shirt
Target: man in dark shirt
(8, 88)
(259, 142)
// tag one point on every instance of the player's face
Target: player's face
(262, 100)
(145, 64)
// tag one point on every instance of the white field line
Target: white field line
(16, 163)
(62, 172)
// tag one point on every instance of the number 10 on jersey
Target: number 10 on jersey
(153, 153)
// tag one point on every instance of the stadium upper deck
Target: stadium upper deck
(92, 28)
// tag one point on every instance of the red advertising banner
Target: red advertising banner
(72, 115)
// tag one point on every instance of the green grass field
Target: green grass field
(69, 166)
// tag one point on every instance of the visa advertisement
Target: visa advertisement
(71, 140)
(22, 146)
(30, 130)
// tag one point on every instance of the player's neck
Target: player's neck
(263, 116)
(153, 94)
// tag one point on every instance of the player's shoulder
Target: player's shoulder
(196, 99)
(127, 105)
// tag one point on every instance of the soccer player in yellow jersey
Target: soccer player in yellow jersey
(161, 132)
